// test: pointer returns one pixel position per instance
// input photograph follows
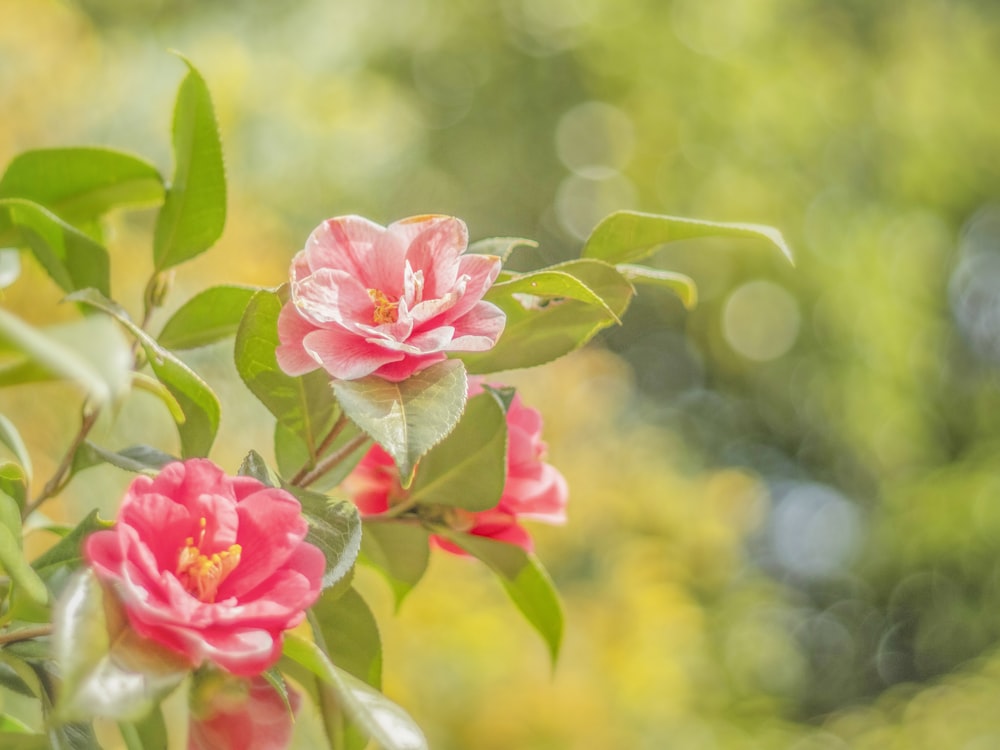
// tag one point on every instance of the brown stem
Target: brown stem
(61, 476)
(304, 480)
(337, 428)
(25, 634)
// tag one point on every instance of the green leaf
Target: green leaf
(148, 733)
(70, 257)
(627, 236)
(681, 285)
(139, 459)
(499, 246)
(255, 466)
(67, 553)
(410, 417)
(468, 468)
(379, 718)
(525, 580)
(81, 184)
(197, 401)
(539, 330)
(206, 318)
(399, 551)
(350, 634)
(303, 406)
(11, 438)
(334, 527)
(194, 211)
(107, 669)
(88, 352)
(551, 282)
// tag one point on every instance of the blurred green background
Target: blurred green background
(785, 515)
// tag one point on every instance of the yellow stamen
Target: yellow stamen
(385, 311)
(202, 574)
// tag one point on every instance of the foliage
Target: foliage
(451, 452)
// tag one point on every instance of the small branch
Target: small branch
(337, 428)
(61, 475)
(25, 634)
(305, 479)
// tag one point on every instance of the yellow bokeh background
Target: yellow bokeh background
(784, 527)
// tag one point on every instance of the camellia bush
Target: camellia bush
(393, 440)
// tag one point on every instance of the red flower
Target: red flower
(388, 301)
(241, 714)
(211, 566)
(533, 490)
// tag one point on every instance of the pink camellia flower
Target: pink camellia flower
(211, 566)
(534, 489)
(241, 714)
(389, 301)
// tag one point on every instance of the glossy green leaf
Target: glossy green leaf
(253, 465)
(11, 438)
(499, 246)
(627, 236)
(551, 283)
(334, 527)
(194, 210)
(70, 257)
(197, 401)
(539, 329)
(107, 669)
(410, 417)
(209, 316)
(12, 559)
(67, 553)
(350, 635)
(303, 406)
(525, 580)
(83, 183)
(378, 717)
(88, 352)
(681, 285)
(469, 467)
(399, 551)
(140, 459)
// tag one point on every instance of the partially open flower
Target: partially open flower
(233, 713)
(211, 566)
(533, 490)
(389, 301)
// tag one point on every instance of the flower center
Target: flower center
(202, 574)
(385, 311)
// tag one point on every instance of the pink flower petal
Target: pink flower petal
(479, 329)
(346, 356)
(292, 357)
